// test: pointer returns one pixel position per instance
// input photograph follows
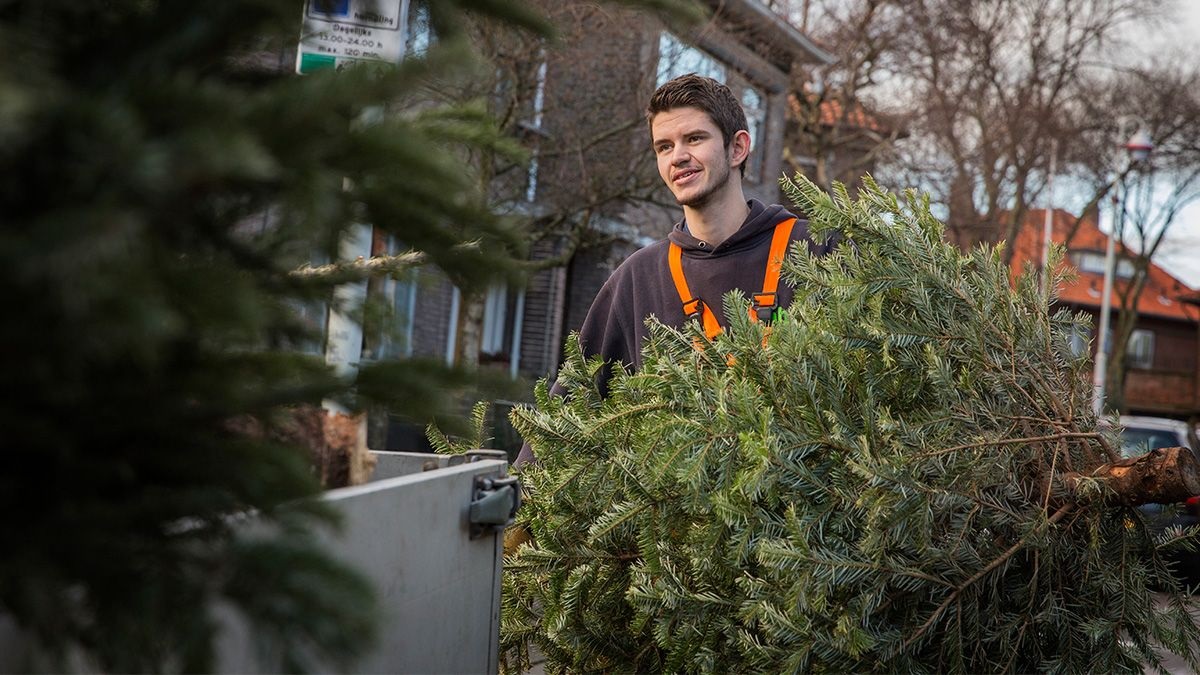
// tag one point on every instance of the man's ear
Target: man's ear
(739, 148)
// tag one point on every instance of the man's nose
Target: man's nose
(680, 155)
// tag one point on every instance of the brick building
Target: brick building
(1163, 376)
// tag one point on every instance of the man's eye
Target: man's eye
(662, 148)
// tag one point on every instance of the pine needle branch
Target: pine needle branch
(996, 562)
(362, 268)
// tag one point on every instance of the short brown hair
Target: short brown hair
(706, 94)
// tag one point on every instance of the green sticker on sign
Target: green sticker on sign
(313, 62)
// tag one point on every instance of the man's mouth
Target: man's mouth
(684, 175)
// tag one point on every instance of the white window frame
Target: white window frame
(401, 294)
(1139, 353)
(1093, 262)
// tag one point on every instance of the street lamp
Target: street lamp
(1048, 225)
(1138, 149)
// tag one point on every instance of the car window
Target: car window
(1136, 441)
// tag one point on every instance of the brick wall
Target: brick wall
(1170, 386)
(1160, 392)
(598, 80)
(1174, 345)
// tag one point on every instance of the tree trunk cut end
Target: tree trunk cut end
(1161, 476)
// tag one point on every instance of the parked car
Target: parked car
(1140, 435)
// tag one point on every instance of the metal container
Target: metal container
(427, 531)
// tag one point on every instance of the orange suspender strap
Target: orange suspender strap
(764, 305)
(691, 306)
(764, 302)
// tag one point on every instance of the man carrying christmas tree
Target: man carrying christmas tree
(699, 135)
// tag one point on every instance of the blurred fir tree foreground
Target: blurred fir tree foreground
(161, 184)
(905, 477)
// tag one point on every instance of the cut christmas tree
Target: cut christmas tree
(906, 476)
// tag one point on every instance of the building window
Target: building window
(503, 314)
(495, 321)
(398, 342)
(394, 337)
(1093, 262)
(676, 58)
(756, 118)
(1140, 351)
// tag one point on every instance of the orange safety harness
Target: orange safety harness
(764, 305)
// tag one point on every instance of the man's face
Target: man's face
(692, 158)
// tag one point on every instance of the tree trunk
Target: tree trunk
(1162, 476)
(963, 221)
(1118, 364)
(1015, 219)
(470, 329)
(1126, 321)
(822, 169)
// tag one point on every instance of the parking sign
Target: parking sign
(338, 33)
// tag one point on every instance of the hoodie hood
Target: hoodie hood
(760, 222)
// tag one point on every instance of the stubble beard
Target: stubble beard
(702, 198)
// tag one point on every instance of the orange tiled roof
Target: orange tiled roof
(832, 111)
(1163, 296)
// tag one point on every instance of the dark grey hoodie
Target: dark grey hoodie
(615, 326)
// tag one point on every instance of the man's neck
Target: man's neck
(717, 220)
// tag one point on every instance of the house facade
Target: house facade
(1163, 376)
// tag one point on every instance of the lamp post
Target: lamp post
(1138, 149)
(1048, 226)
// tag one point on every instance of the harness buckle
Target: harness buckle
(764, 307)
(693, 308)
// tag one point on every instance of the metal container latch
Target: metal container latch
(493, 505)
